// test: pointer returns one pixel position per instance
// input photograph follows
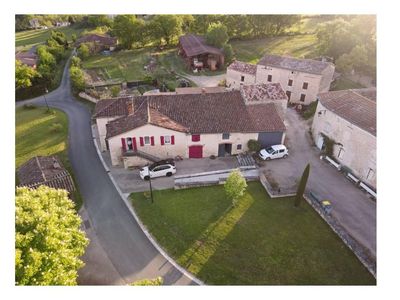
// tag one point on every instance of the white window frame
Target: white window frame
(144, 140)
(165, 140)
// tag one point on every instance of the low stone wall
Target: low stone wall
(87, 97)
(363, 255)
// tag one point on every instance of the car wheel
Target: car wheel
(285, 156)
(268, 158)
(146, 177)
(169, 174)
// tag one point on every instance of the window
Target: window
(195, 137)
(239, 147)
(290, 82)
(147, 140)
(225, 136)
(288, 94)
(282, 150)
(242, 78)
(129, 143)
(302, 97)
(167, 139)
(305, 85)
(269, 79)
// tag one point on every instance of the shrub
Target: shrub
(213, 157)
(155, 281)
(115, 90)
(76, 61)
(56, 127)
(254, 145)
(310, 110)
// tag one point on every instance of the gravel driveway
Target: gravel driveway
(352, 207)
(206, 81)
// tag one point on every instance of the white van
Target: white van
(275, 151)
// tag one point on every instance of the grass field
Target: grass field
(34, 136)
(26, 39)
(261, 241)
(302, 46)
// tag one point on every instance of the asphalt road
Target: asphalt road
(132, 255)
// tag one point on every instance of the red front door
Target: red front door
(195, 151)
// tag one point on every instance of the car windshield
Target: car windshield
(269, 150)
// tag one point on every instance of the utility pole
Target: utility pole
(45, 100)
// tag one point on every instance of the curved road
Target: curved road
(130, 252)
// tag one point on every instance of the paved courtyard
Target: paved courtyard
(351, 206)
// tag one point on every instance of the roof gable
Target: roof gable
(195, 44)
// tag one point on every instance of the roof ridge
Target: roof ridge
(366, 98)
(107, 106)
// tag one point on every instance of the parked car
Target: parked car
(158, 169)
(275, 151)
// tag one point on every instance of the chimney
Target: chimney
(56, 165)
(130, 107)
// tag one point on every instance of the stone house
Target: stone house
(187, 125)
(348, 119)
(302, 79)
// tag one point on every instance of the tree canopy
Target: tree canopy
(129, 30)
(24, 75)
(166, 28)
(235, 186)
(217, 34)
(48, 241)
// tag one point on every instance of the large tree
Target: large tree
(24, 75)
(302, 186)
(217, 34)
(129, 30)
(165, 28)
(48, 241)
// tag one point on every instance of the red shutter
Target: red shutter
(141, 141)
(123, 144)
(152, 140)
(195, 137)
(162, 140)
(172, 140)
(134, 143)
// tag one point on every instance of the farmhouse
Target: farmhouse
(98, 42)
(45, 170)
(27, 58)
(302, 79)
(348, 119)
(198, 54)
(188, 125)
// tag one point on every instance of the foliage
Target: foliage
(115, 90)
(229, 54)
(254, 145)
(302, 186)
(155, 281)
(48, 241)
(129, 30)
(76, 61)
(329, 144)
(99, 20)
(24, 75)
(165, 28)
(77, 78)
(217, 35)
(310, 111)
(235, 186)
(73, 37)
(83, 51)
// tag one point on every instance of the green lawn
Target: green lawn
(261, 241)
(33, 136)
(26, 39)
(303, 46)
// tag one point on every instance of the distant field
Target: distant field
(26, 39)
(303, 46)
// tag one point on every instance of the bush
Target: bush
(254, 145)
(310, 110)
(213, 157)
(76, 61)
(56, 127)
(235, 186)
(115, 90)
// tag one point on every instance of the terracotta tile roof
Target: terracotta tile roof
(290, 63)
(113, 107)
(199, 90)
(45, 170)
(369, 93)
(243, 67)
(98, 38)
(27, 58)
(201, 113)
(263, 91)
(353, 107)
(194, 45)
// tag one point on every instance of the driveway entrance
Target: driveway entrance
(224, 150)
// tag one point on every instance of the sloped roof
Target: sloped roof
(200, 113)
(243, 67)
(195, 44)
(263, 91)
(353, 107)
(290, 63)
(27, 58)
(113, 107)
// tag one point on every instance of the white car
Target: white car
(157, 170)
(275, 151)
